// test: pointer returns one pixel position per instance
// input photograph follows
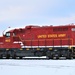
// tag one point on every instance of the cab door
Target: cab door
(7, 37)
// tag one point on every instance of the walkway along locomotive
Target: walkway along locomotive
(32, 41)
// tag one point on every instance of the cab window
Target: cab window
(14, 34)
(7, 34)
(73, 29)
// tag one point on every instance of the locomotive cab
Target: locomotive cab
(8, 40)
(7, 35)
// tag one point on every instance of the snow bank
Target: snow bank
(37, 67)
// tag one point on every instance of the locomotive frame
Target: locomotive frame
(35, 41)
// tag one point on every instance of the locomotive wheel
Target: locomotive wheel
(55, 58)
(20, 57)
(38, 53)
(1, 56)
(68, 57)
(13, 57)
(7, 56)
(48, 55)
(66, 53)
(73, 57)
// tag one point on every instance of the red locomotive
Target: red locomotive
(50, 41)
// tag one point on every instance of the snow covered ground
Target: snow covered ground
(37, 67)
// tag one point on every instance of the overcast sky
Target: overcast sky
(17, 13)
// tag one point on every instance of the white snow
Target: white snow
(9, 28)
(37, 67)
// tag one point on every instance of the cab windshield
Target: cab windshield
(7, 34)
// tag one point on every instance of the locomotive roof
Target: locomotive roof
(31, 26)
(46, 26)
